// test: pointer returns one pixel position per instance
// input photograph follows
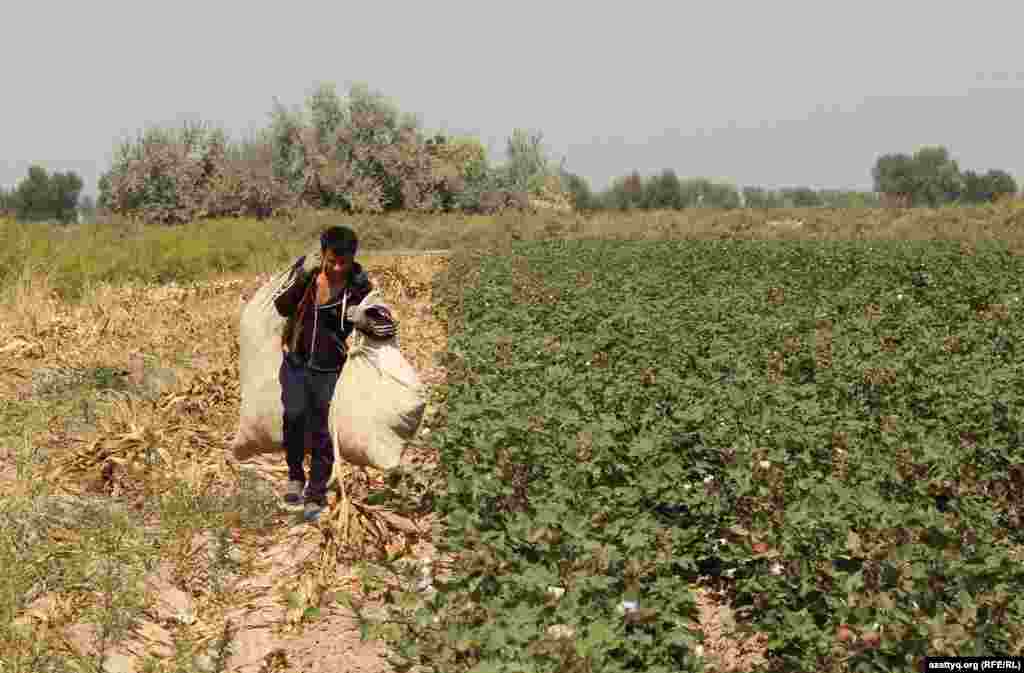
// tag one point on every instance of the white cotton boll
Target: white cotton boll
(628, 606)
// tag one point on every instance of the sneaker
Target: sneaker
(312, 510)
(294, 494)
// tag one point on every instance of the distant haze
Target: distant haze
(789, 93)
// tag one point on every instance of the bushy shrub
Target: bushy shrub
(176, 176)
(354, 170)
(459, 164)
(361, 155)
(244, 184)
(158, 175)
(491, 194)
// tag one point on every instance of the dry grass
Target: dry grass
(147, 441)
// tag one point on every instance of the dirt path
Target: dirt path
(330, 643)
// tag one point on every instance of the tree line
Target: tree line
(928, 178)
(359, 154)
(667, 191)
(931, 177)
(43, 196)
(363, 154)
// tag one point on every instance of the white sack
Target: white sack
(378, 404)
(260, 425)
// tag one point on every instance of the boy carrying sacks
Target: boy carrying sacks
(319, 306)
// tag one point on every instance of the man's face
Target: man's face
(336, 266)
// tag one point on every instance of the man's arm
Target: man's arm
(289, 296)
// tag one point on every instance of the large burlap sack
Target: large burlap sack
(378, 403)
(260, 424)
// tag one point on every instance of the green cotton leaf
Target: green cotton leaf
(642, 446)
(636, 540)
(599, 635)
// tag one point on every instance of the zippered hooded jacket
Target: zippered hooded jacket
(317, 336)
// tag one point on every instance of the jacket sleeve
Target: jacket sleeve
(289, 296)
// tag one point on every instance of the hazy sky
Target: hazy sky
(778, 93)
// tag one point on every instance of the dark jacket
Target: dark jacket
(317, 336)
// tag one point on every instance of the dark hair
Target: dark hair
(340, 240)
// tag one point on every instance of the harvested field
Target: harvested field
(128, 402)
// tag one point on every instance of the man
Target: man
(320, 307)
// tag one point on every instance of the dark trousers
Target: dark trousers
(306, 396)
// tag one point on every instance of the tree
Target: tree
(894, 174)
(288, 157)
(988, 187)
(7, 202)
(938, 180)
(380, 155)
(664, 191)
(527, 162)
(633, 190)
(975, 188)
(65, 190)
(760, 198)
(930, 177)
(837, 198)
(41, 196)
(722, 195)
(1001, 183)
(326, 111)
(801, 197)
(86, 206)
(704, 193)
(625, 193)
(579, 192)
(359, 154)
(33, 195)
(461, 169)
